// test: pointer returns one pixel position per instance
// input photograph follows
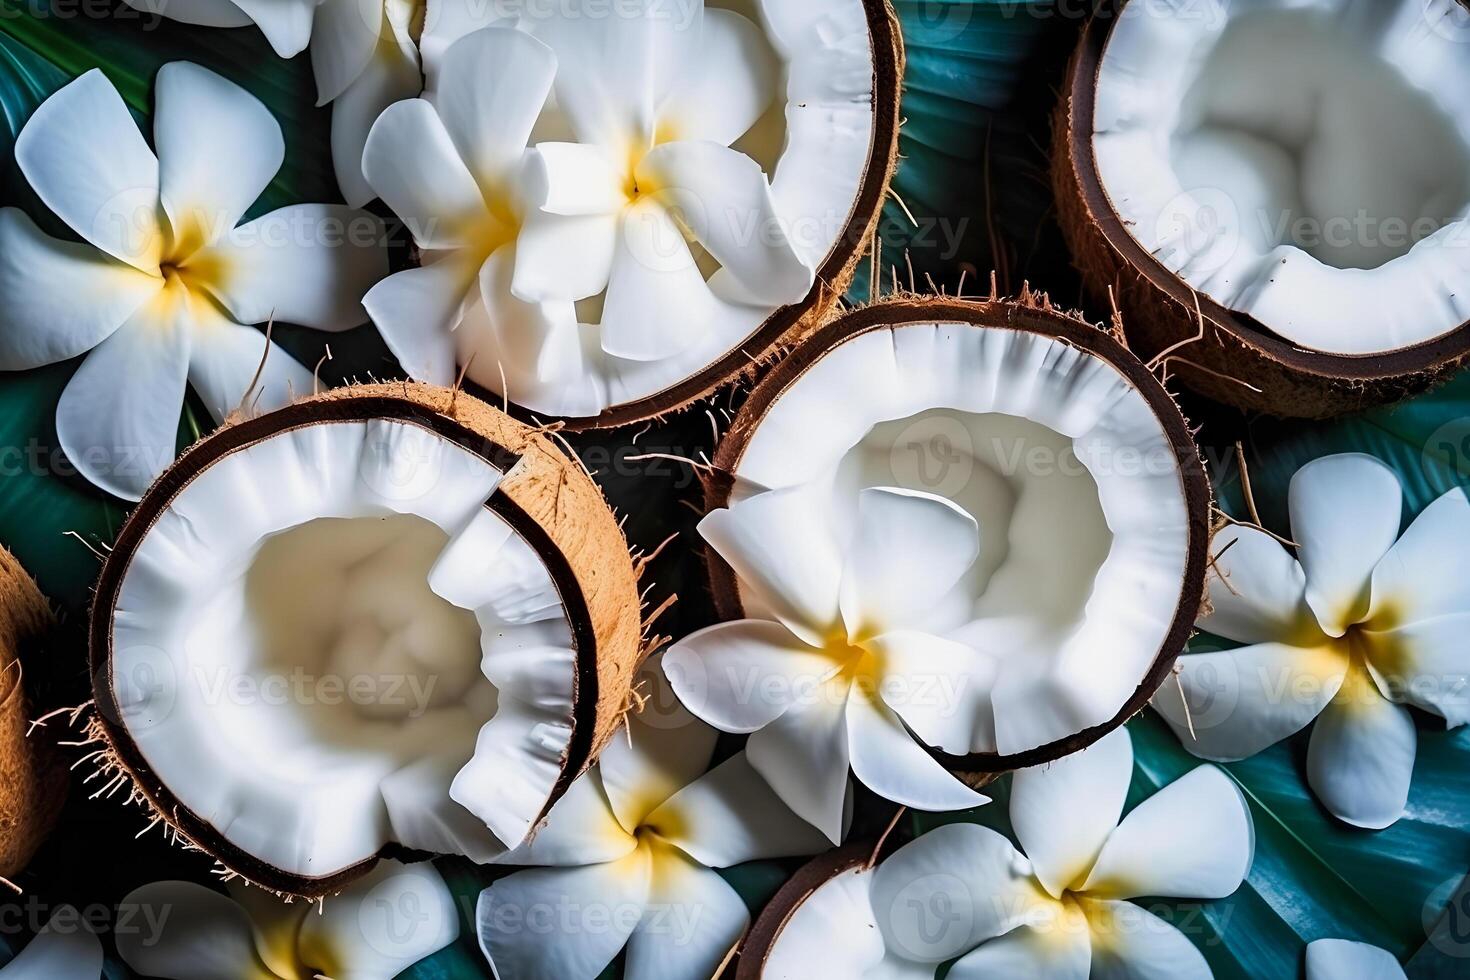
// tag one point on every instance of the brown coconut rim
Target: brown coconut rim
(1237, 353)
(790, 324)
(760, 941)
(1032, 313)
(545, 496)
(32, 779)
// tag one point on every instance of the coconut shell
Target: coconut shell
(546, 496)
(760, 940)
(1238, 361)
(32, 779)
(1033, 313)
(790, 324)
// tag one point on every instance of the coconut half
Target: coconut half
(827, 898)
(32, 779)
(385, 618)
(1092, 504)
(697, 193)
(1302, 169)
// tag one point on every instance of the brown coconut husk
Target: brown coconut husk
(546, 496)
(1031, 312)
(32, 780)
(1237, 360)
(790, 324)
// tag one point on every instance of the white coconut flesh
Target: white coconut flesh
(813, 143)
(834, 926)
(1069, 474)
(327, 643)
(1306, 163)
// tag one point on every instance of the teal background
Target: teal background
(980, 83)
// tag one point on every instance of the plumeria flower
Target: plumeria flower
(1342, 959)
(625, 857)
(451, 165)
(65, 949)
(844, 663)
(167, 276)
(654, 98)
(1355, 628)
(1062, 909)
(366, 54)
(379, 926)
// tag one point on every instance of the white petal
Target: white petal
(1192, 839)
(613, 72)
(446, 21)
(61, 299)
(1361, 757)
(780, 546)
(574, 179)
(958, 885)
(223, 362)
(1243, 701)
(416, 311)
(345, 35)
(638, 778)
(205, 13)
(200, 935)
(286, 24)
(562, 923)
(722, 197)
(1064, 811)
(694, 919)
(1342, 959)
(391, 75)
(413, 165)
(741, 676)
(490, 90)
(382, 924)
(1421, 576)
(118, 419)
(657, 300)
(736, 82)
(543, 339)
(88, 162)
(1055, 952)
(1345, 513)
(564, 257)
(731, 815)
(940, 688)
(887, 760)
(218, 148)
(1426, 664)
(580, 829)
(64, 949)
(1131, 943)
(307, 264)
(803, 756)
(276, 924)
(907, 551)
(1257, 589)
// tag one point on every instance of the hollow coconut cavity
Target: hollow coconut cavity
(384, 619)
(1091, 502)
(32, 779)
(1301, 169)
(826, 141)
